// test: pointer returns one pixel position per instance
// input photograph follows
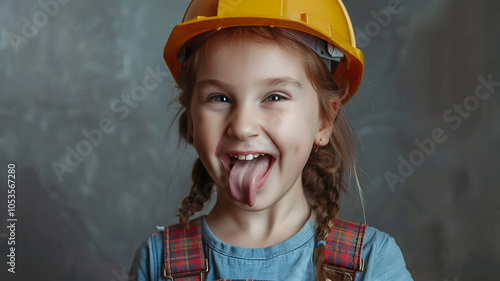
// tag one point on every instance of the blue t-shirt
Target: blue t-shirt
(288, 260)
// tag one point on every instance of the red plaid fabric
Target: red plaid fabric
(344, 245)
(183, 252)
(185, 260)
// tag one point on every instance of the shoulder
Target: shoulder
(383, 258)
(374, 238)
(377, 242)
(147, 260)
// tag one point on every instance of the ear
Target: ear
(327, 123)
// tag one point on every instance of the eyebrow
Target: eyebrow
(283, 82)
(211, 82)
(270, 82)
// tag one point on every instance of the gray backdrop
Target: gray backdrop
(97, 165)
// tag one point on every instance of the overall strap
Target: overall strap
(183, 254)
(343, 250)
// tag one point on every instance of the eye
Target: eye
(275, 97)
(218, 98)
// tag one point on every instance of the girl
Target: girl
(261, 86)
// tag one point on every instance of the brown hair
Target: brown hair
(323, 174)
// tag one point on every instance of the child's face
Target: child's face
(251, 99)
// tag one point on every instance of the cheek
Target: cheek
(207, 132)
(285, 123)
(281, 120)
(201, 133)
(294, 124)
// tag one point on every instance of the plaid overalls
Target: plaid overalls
(184, 259)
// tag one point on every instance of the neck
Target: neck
(258, 229)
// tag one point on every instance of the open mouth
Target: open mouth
(247, 174)
(239, 157)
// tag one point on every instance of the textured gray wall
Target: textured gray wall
(64, 70)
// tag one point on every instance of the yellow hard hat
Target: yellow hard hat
(324, 19)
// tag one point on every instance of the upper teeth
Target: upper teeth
(246, 157)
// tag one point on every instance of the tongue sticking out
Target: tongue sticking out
(247, 177)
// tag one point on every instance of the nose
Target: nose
(243, 124)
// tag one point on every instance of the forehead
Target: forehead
(247, 59)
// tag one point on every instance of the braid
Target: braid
(200, 193)
(322, 181)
